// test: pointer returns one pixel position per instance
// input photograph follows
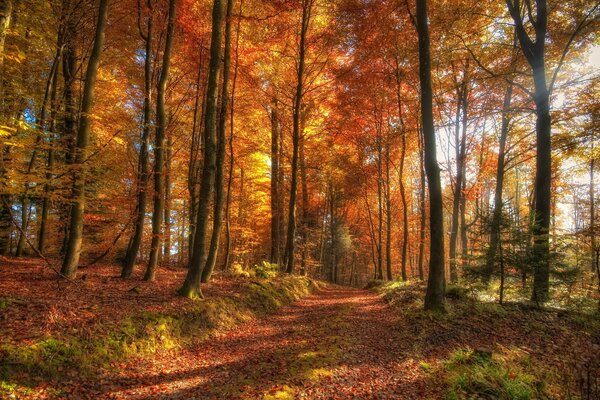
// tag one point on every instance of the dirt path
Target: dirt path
(335, 344)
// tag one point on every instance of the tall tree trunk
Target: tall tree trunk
(143, 177)
(592, 207)
(291, 231)
(51, 127)
(275, 211)
(75, 236)
(159, 146)
(388, 212)
(422, 209)
(498, 205)
(195, 162)
(167, 225)
(6, 7)
(69, 70)
(191, 285)
(460, 143)
(378, 123)
(230, 142)
(221, 145)
(304, 186)
(332, 227)
(434, 297)
(401, 178)
(534, 51)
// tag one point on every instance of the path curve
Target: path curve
(334, 344)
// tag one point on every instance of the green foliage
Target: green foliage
(472, 375)
(5, 302)
(458, 292)
(237, 270)
(266, 270)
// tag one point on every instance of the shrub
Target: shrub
(266, 270)
(478, 375)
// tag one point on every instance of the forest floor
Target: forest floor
(336, 343)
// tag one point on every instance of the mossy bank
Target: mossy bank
(144, 334)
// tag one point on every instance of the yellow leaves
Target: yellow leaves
(17, 56)
(6, 131)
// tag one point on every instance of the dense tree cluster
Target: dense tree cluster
(348, 140)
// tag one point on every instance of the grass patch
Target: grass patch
(471, 375)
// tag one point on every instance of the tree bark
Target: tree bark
(230, 142)
(159, 146)
(75, 236)
(460, 143)
(534, 52)
(291, 232)
(6, 7)
(191, 285)
(434, 297)
(275, 211)
(422, 209)
(304, 186)
(166, 254)
(221, 145)
(401, 178)
(143, 177)
(498, 205)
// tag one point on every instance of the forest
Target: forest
(299, 199)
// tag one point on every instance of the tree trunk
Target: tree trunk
(498, 205)
(138, 232)
(159, 146)
(388, 209)
(5, 15)
(304, 186)
(422, 209)
(275, 211)
(75, 235)
(167, 233)
(231, 152)
(221, 144)
(51, 127)
(69, 70)
(460, 143)
(534, 52)
(592, 207)
(401, 179)
(291, 232)
(434, 297)
(195, 162)
(191, 285)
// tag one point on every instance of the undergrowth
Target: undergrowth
(145, 334)
(473, 375)
(510, 331)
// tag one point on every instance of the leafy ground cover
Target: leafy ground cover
(270, 339)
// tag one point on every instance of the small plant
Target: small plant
(238, 270)
(266, 270)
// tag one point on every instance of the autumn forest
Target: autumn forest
(299, 199)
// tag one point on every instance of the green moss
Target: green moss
(285, 393)
(149, 332)
(5, 302)
(471, 375)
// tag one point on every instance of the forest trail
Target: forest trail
(337, 343)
